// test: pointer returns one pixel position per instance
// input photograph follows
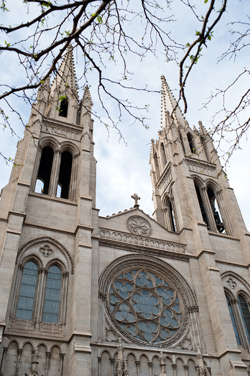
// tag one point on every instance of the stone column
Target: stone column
(54, 176)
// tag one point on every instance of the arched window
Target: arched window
(170, 213)
(44, 172)
(245, 315)
(191, 142)
(215, 209)
(202, 208)
(52, 298)
(65, 174)
(163, 155)
(232, 316)
(63, 110)
(27, 292)
(156, 166)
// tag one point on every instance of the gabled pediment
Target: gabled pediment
(133, 228)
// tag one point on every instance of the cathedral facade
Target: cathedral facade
(126, 294)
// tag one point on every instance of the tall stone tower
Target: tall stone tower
(124, 294)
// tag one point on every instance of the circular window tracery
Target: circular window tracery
(145, 306)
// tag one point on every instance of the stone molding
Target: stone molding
(137, 241)
(201, 167)
(47, 240)
(62, 130)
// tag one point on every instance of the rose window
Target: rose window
(145, 306)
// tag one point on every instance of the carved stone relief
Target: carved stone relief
(139, 225)
(46, 251)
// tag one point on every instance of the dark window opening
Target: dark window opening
(191, 142)
(163, 154)
(44, 172)
(156, 166)
(64, 175)
(63, 111)
(215, 209)
(172, 216)
(203, 212)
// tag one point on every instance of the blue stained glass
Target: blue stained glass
(114, 299)
(158, 281)
(176, 308)
(27, 292)
(149, 302)
(128, 276)
(233, 320)
(164, 334)
(132, 330)
(52, 295)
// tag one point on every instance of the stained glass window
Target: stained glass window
(233, 320)
(245, 314)
(52, 295)
(145, 306)
(27, 292)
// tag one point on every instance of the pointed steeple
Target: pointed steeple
(66, 78)
(86, 99)
(64, 101)
(170, 107)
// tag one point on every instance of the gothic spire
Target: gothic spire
(65, 79)
(169, 107)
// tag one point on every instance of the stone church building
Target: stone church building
(126, 294)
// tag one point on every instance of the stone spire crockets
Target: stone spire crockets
(66, 77)
(169, 106)
(64, 98)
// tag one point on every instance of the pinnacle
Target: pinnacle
(169, 104)
(87, 95)
(66, 77)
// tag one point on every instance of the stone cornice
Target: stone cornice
(135, 243)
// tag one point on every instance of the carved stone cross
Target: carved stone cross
(136, 198)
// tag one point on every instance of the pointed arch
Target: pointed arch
(64, 104)
(34, 243)
(191, 142)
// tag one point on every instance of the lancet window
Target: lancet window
(40, 287)
(209, 208)
(191, 143)
(163, 155)
(56, 172)
(63, 110)
(170, 217)
(44, 171)
(238, 307)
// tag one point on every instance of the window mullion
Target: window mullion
(73, 178)
(208, 209)
(64, 294)
(36, 168)
(55, 173)
(17, 291)
(40, 295)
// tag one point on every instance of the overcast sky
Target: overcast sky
(123, 167)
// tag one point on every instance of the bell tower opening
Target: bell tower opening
(44, 172)
(216, 213)
(191, 143)
(64, 175)
(63, 111)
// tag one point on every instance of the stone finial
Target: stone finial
(136, 198)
